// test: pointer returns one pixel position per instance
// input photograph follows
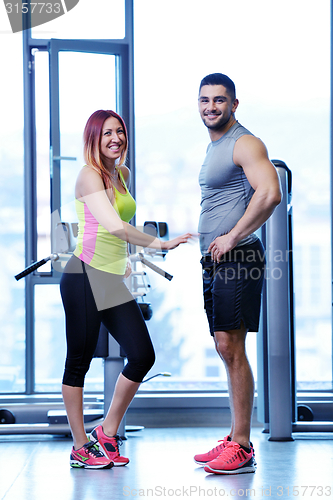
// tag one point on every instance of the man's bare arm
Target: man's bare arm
(251, 155)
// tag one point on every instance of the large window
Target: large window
(74, 109)
(278, 55)
(12, 306)
(282, 76)
(88, 76)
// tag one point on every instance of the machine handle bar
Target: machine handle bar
(35, 265)
(155, 268)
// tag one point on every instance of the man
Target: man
(240, 189)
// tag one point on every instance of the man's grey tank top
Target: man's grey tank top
(225, 190)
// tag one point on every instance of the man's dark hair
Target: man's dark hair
(220, 79)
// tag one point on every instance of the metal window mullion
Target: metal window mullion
(55, 154)
(128, 88)
(30, 205)
(127, 94)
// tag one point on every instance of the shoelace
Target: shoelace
(119, 441)
(220, 446)
(230, 450)
(93, 450)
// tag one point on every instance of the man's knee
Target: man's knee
(224, 347)
(230, 345)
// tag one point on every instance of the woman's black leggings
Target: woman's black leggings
(81, 288)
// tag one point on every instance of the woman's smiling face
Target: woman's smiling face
(113, 139)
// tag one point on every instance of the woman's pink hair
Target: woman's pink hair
(92, 137)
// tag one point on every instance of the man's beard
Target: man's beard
(217, 125)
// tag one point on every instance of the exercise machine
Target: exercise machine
(277, 406)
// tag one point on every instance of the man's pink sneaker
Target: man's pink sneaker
(203, 458)
(233, 460)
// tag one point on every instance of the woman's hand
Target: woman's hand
(175, 242)
(128, 271)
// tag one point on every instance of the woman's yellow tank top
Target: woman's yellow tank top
(95, 245)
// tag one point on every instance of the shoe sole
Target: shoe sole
(204, 463)
(79, 465)
(200, 463)
(245, 470)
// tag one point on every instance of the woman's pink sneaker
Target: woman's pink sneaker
(109, 445)
(89, 457)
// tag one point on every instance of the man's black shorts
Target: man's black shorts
(232, 288)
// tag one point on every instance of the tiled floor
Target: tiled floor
(161, 466)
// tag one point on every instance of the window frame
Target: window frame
(123, 50)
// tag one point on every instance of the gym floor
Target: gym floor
(161, 466)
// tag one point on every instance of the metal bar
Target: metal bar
(67, 158)
(262, 352)
(313, 427)
(91, 46)
(127, 80)
(279, 335)
(15, 429)
(113, 366)
(156, 269)
(30, 208)
(55, 181)
(128, 88)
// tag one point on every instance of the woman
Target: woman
(93, 289)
